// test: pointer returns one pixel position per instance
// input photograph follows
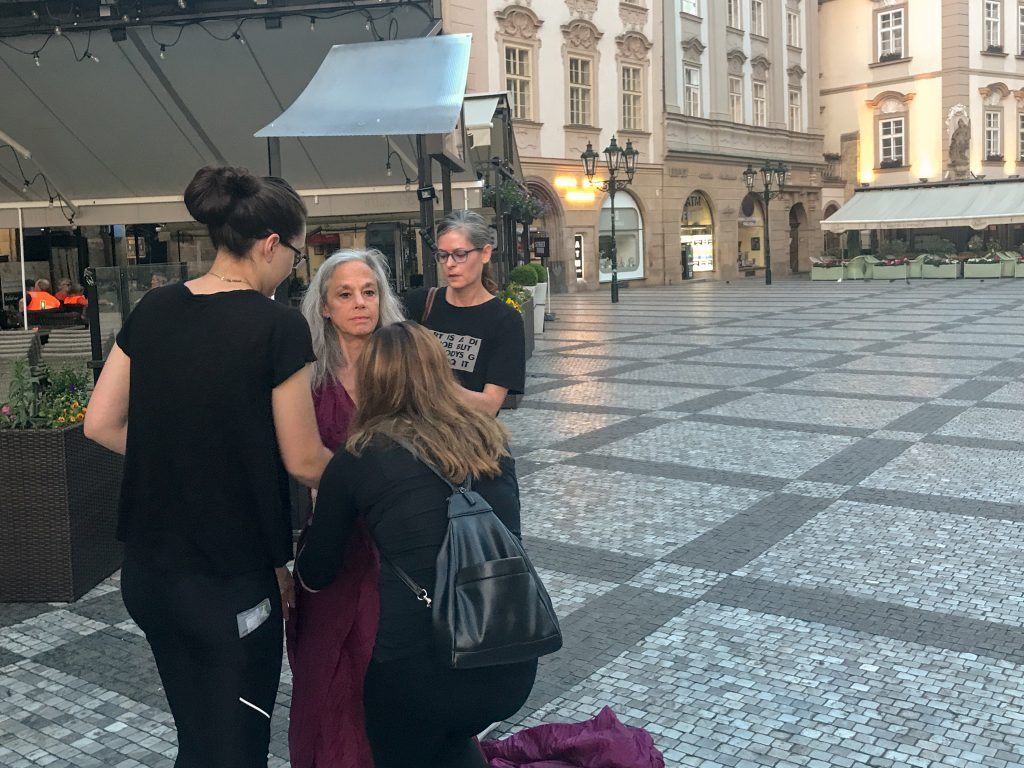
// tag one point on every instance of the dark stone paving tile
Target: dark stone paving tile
(873, 397)
(1010, 370)
(15, 613)
(927, 418)
(973, 390)
(780, 379)
(659, 383)
(672, 471)
(526, 467)
(8, 657)
(881, 346)
(588, 562)
(690, 353)
(913, 625)
(535, 386)
(609, 434)
(112, 659)
(711, 400)
(1001, 406)
(620, 369)
(916, 336)
(928, 502)
(597, 633)
(974, 442)
(855, 462)
(615, 410)
(108, 608)
(748, 534)
(836, 360)
(814, 429)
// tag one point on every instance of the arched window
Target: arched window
(629, 238)
(697, 232)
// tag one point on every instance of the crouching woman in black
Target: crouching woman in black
(419, 713)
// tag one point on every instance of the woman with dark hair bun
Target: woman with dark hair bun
(207, 395)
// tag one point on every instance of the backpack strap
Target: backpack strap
(466, 486)
(429, 305)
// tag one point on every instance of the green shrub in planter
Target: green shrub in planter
(523, 275)
(542, 274)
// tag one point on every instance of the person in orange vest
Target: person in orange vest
(40, 298)
(75, 297)
(63, 289)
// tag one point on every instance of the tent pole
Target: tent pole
(425, 181)
(24, 289)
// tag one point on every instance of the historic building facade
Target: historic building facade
(921, 90)
(578, 71)
(740, 87)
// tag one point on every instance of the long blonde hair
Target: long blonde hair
(409, 394)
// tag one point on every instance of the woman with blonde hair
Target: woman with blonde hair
(330, 642)
(418, 712)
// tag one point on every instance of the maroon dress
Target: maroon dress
(332, 633)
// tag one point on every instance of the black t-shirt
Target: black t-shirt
(406, 506)
(485, 344)
(204, 487)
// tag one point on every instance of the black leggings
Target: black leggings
(422, 715)
(220, 687)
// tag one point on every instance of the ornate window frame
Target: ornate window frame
(633, 49)
(891, 105)
(580, 40)
(519, 27)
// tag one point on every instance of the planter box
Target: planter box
(882, 272)
(1018, 269)
(975, 271)
(858, 268)
(540, 302)
(944, 271)
(827, 273)
(58, 514)
(915, 266)
(1009, 264)
(512, 401)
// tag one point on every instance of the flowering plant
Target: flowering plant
(988, 258)
(41, 399)
(514, 295)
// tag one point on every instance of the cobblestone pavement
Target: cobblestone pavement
(782, 527)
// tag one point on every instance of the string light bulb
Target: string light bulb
(368, 25)
(163, 51)
(51, 201)
(239, 38)
(58, 31)
(35, 14)
(312, 23)
(182, 4)
(35, 57)
(387, 169)
(90, 55)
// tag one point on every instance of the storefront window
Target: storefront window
(629, 238)
(696, 233)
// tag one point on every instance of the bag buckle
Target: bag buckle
(423, 597)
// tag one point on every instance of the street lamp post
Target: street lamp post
(618, 160)
(773, 175)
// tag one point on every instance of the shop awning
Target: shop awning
(975, 204)
(392, 88)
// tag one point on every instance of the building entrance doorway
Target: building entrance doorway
(797, 223)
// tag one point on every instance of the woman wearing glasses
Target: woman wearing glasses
(483, 336)
(207, 395)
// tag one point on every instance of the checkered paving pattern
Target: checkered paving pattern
(781, 526)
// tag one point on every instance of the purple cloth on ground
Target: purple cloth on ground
(331, 635)
(603, 742)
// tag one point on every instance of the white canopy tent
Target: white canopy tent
(975, 204)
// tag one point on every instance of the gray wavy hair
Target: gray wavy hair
(329, 355)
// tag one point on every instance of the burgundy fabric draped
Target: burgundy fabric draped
(603, 742)
(331, 635)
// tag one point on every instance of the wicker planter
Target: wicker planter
(882, 272)
(975, 271)
(58, 514)
(942, 271)
(827, 273)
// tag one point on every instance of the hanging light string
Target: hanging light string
(401, 162)
(63, 30)
(51, 193)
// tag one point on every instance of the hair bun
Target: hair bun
(214, 191)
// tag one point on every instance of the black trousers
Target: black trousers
(422, 715)
(220, 685)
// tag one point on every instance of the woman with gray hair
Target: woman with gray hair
(349, 298)
(330, 642)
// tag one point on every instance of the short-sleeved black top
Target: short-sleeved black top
(204, 486)
(485, 344)
(406, 506)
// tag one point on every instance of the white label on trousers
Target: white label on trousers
(249, 621)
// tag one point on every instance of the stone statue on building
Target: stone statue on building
(959, 126)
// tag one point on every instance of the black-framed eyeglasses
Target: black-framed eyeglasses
(459, 255)
(300, 256)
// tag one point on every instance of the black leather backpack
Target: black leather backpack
(489, 605)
